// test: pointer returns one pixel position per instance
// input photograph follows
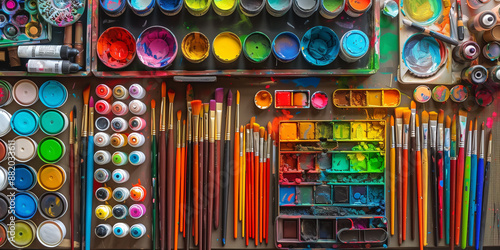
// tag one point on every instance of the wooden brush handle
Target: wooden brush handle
(405, 191)
(458, 190)
(211, 186)
(177, 196)
(196, 192)
(413, 187)
(217, 184)
(189, 188)
(400, 195)
(162, 180)
(419, 200)
(170, 185)
(201, 197)
(236, 183)
(267, 195)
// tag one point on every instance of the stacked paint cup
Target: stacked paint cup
(198, 8)
(278, 8)
(353, 45)
(330, 9)
(305, 8)
(252, 7)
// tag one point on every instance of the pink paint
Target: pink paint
(489, 122)
(10, 5)
(319, 100)
(494, 114)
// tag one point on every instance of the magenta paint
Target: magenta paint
(157, 47)
(319, 100)
(136, 211)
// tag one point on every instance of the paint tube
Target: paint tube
(52, 66)
(47, 51)
(466, 52)
(476, 74)
(483, 21)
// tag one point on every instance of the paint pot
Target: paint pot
(102, 123)
(103, 194)
(33, 30)
(286, 46)
(137, 231)
(120, 194)
(121, 230)
(119, 108)
(138, 193)
(119, 124)
(424, 55)
(120, 92)
(3, 179)
(492, 51)
(278, 8)
(25, 177)
(356, 8)
(101, 139)
(3, 234)
(25, 148)
(353, 45)
(26, 205)
(319, 100)
(263, 99)
(103, 91)
(102, 107)
(422, 94)
(116, 47)
(485, 20)
(102, 175)
(25, 92)
(10, 6)
(3, 150)
(10, 31)
(157, 47)
(119, 158)
(252, 8)
(224, 7)
(197, 8)
(137, 158)
(137, 211)
(120, 176)
(475, 75)
(24, 234)
(53, 122)
(459, 93)
(440, 93)
(492, 34)
(51, 233)
(195, 47)
(484, 96)
(51, 177)
(5, 93)
(4, 207)
(118, 140)
(120, 211)
(103, 230)
(136, 123)
(25, 122)
(5, 119)
(466, 52)
(136, 139)
(257, 47)
(305, 8)
(141, 7)
(391, 8)
(424, 12)
(137, 107)
(102, 157)
(330, 9)
(137, 91)
(494, 76)
(53, 94)
(320, 46)
(53, 205)
(170, 7)
(51, 149)
(103, 212)
(227, 47)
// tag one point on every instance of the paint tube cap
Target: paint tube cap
(119, 108)
(102, 157)
(24, 234)
(26, 205)
(120, 92)
(120, 211)
(137, 107)
(51, 233)
(119, 124)
(137, 211)
(137, 91)
(53, 205)
(118, 140)
(102, 107)
(51, 150)
(53, 122)
(119, 158)
(102, 123)
(137, 230)
(24, 177)
(53, 94)
(121, 230)
(25, 148)
(102, 175)
(103, 230)
(5, 119)
(422, 94)
(121, 194)
(103, 212)
(136, 139)
(103, 91)
(136, 123)
(353, 45)
(25, 92)
(101, 139)
(138, 193)
(25, 122)
(120, 175)
(51, 177)
(103, 194)
(3, 180)
(137, 158)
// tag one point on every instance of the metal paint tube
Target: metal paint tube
(252, 8)
(141, 7)
(51, 233)
(137, 107)
(102, 123)
(136, 91)
(113, 8)
(103, 91)
(3, 179)
(51, 150)
(53, 122)
(492, 34)
(26, 205)
(330, 9)
(136, 123)
(103, 194)
(103, 230)
(53, 94)
(492, 51)
(51, 66)
(52, 205)
(120, 176)
(483, 21)
(137, 158)
(25, 122)
(121, 194)
(118, 140)
(120, 92)
(119, 158)
(120, 211)
(103, 212)
(278, 8)
(101, 139)
(102, 107)
(137, 211)
(46, 51)
(466, 52)
(137, 231)
(119, 124)
(475, 75)
(353, 45)
(24, 177)
(355, 8)
(51, 177)
(25, 232)
(102, 157)
(121, 230)
(305, 8)
(5, 119)
(102, 175)
(25, 92)
(136, 139)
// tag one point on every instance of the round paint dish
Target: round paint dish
(52, 205)
(20, 18)
(53, 94)
(61, 13)
(286, 46)
(440, 93)
(24, 234)
(11, 31)
(26, 205)
(169, 7)
(320, 46)
(263, 99)
(319, 100)
(492, 51)
(422, 94)
(5, 119)
(53, 122)
(157, 47)
(24, 122)
(3, 150)
(141, 7)
(51, 177)
(227, 47)
(25, 177)
(25, 92)
(424, 55)
(3, 233)
(4, 208)
(224, 7)
(252, 8)
(278, 8)
(5, 93)
(305, 8)
(113, 8)
(116, 47)
(257, 47)
(51, 233)
(51, 150)
(353, 45)
(356, 8)
(25, 148)
(3, 179)
(484, 97)
(330, 9)
(424, 12)
(459, 93)
(196, 7)
(195, 47)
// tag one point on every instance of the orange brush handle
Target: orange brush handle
(393, 188)
(177, 196)
(247, 196)
(252, 196)
(261, 200)
(405, 189)
(196, 191)
(183, 190)
(419, 198)
(236, 181)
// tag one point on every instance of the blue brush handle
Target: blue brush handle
(447, 207)
(472, 202)
(479, 198)
(90, 192)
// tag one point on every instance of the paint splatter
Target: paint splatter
(489, 122)
(389, 40)
(304, 82)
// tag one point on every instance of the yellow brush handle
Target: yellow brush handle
(425, 188)
(393, 188)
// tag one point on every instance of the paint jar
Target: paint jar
(138, 193)
(120, 211)
(24, 234)
(136, 123)
(101, 139)
(137, 158)
(136, 139)
(137, 231)
(170, 8)
(26, 205)
(25, 92)
(422, 94)
(118, 140)
(3, 150)
(319, 100)
(494, 76)
(484, 96)
(102, 107)
(286, 47)
(137, 211)
(53, 122)
(320, 46)
(475, 75)
(103, 91)
(5, 93)
(119, 158)
(11, 31)
(102, 123)
(53, 94)
(141, 7)
(120, 176)
(227, 47)
(252, 8)
(120, 194)
(475, 4)
(51, 177)
(440, 93)
(24, 177)
(437, 54)
(197, 8)
(119, 108)
(53, 205)
(120, 92)
(4, 207)
(137, 91)
(353, 45)
(103, 212)
(356, 8)
(305, 8)
(3, 234)
(25, 122)
(116, 48)
(224, 7)
(5, 119)
(459, 93)
(492, 51)
(113, 8)
(263, 99)
(103, 194)
(157, 47)
(102, 157)
(137, 107)
(51, 233)
(119, 124)
(10, 6)
(121, 230)
(485, 20)
(103, 230)
(466, 52)
(33, 29)
(257, 47)
(195, 47)
(51, 150)
(278, 8)
(330, 9)
(25, 148)
(492, 34)
(3, 178)
(102, 175)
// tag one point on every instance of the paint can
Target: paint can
(492, 51)
(137, 107)
(320, 46)
(10, 6)
(195, 47)
(3, 234)
(25, 148)
(137, 231)
(278, 8)
(102, 123)
(319, 100)
(138, 193)
(11, 31)
(137, 158)
(466, 52)
(103, 91)
(103, 194)
(356, 8)
(119, 124)
(121, 230)
(170, 8)
(141, 7)
(252, 8)
(483, 21)
(5, 93)
(263, 99)
(5, 119)
(484, 96)
(3, 150)
(120, 194)
(475, 4)
(435, 50)
(119, 158)
(353, 45)
(118, 140)
(3, 179)
(101, 139)
(120, 211)
(157, 47)
(305, 8)
(53, 94)
(136, 123)
(137, 91)
(136, 139)
(51, 149)
(494, 76)
(103, 212)
(53, 122)
(137, 211)
(103, 230)
(459, 93)
(25, 92)
(26, 205)
(51, 177)
(197, 8)
(4, 207)
(422, 94)
(440, 93)
(119, 108)
(120, 92)
(120, 176)
(226, 47)
(257, 47)
(330, 9)
(24, 233)
(224, 7)
(102, 157)
(102, 175)
(102, 107)
(475, 75)
(25, 122)
(51, 233)
(24, 177)
(116, 48)
(492, 34)
(286, 46)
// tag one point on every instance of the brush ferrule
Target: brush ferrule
(447, 141)
(188, 125)
(71, 136)
(211, 132)
(85, 120)
(433, 134)
(247, 141)
(393, 139)
(488, 159)
(196, 121)
(406, 136)
(179, 136)
(463, 125)
(91, 121)
(417, 138)
(170, 116)
(440, 137)
(261, 149)
(481, 149)
(412, 123)
(425, 134)
(206, 121)
(474, 143)
(399, 132)
(269, 146)
(237, 118)
(228, 124)
(469, 144)
(218, 119)
(256, 143)
(153, 122)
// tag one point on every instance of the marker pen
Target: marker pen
(46, 51)
(137, 91)
(120, 92)
(102, 107)
(120, 175)
(103, 230)
(136, 139)
(101, 139)
(52, 66)
(118, 140)
(119, 124)
(121, 194)
(137, 158)
(119, 158)
(136, 123)
(119, 108)
(102, 175)
(103, 91)
(102, 157)
(137, 107)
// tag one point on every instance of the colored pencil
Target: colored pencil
(183, 178)
(480, 188)
(219, 99)
(154, 175)
(413, 176)
(434, 172)
(486, 192)
(268, 180)
(211, 169)
(406, 139)
(399, 148)
(202, 230)
(453, 179)
(466, 189)
(446, 159)
(425, 171)
(393, 175)
(189, 168)
(196, 107)
(460, 174)
(256, 181)
(170, 166)
(162, 164)
(440, 167)
(83, 166)
(226, 170)
(261, 181)
(206, 122)
(72, 115)
(177, 180)
(236, 166)
(89, 174)
(419, 184)
(473, 183)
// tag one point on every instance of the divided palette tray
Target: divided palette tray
(331, 190)
(212, 24)
(366, 98)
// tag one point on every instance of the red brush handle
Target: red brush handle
(217, 184)
(267, 193)
(400, 194)
(211, 163)
(405, 190)
(453, 184)
(458, 190)
(72, 192)
(170, 185)
(440, 192)
(247, 198)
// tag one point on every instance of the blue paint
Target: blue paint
(25, 122)
(355, 43)
(53, 94)
(279, 4)
(170, 6)
(141, 7)
(113, 7)
(320, 46)
(24, 177)
(304, 82)
(286, 46)
(421, 54)
(26, 206)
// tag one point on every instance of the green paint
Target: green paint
(324, 130)
(341, 130)
(389, 42)
(340, 162)
(332, 5)
(375, 162)
(257, 47)
(305, 195)
(357, 161)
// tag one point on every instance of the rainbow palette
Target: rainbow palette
(292, 99)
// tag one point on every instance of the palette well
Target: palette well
(292, 99)
(366, 98)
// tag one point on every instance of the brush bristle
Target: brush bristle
(454, 125)
(256, 127)
(219, 95)
(171, 95)
(269, 128)
(392, 120)
(179, 115)
(470, 125)
(206, 107)
(448, 121)
(262, 131)
(433, 116)
(153, 104)
(196, 106)
(482, 126)
(242, 129)
(247, 126)
(86, 94)
(163, 89)
(417, 123)
(406, 116)
(91, 102)
(212, 105)
(71, 116)
(491, 136)
(399, 112)
(74, 112)
(229, 98)
(475, 124)
(252, 120)
(265, 136)
(413, 105)
(425, 117)
(441, 116)
(462, 113)
(237, 97)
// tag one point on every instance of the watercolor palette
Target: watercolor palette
(331, 186)
(366, 98)
(292, 99)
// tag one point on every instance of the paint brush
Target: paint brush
(399, 148)
(242, 180)
(268, 179)
(273, 169)
(154, 174)
(486, 191)
(201, 197)
(432, 33)
(248, 220)
(462, 119)
(170, 166)
(196, 107)
(251, 169)
(440, 167)
(89, 174)
(446, 160)
(225, 171)
(425, 171)
(189, 168)
(419, 184)
(177, 180)
(434, 178)
(211, 168)
(480, 189)
(473, 183)
(236, 166)
(72, 115)
(219, 98)
(413, 176)
(162, 163)
(183, 178)
(393, 174)
(83, 166)
(406, 138)
(460, 22)
(262, 131)
(466, 189)
(256, 181)
(206, 122)
(453, 179)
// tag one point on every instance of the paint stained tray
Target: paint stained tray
(366, 98)
(211, 25)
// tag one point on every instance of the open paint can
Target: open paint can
(53, 205)
(492, 51)
(330, 9)
(492, 34)
(278, 8)
(113, 8)
(440, 93)
(4, 175)
(4, 149)
(424, 12)
(26, 205)
(3, 234)
(319, 100)
(51, 233)
(320, 46)
(484, 96)
(5, 93)
(305, 8)
(459, 93)
(24, 233)
(51, 177)
(53, 122)
(4, 207)
(24, 122)
(424, 55)
(257, 47)
(5, 119)
(224, 7)
(252, 7)
(141, 7)
(356, 8)
(286, 46)
(24, 149)
(51, 150)
(116, 47)
(195, 47)
(263, 99)
(53, 94)
(196, 7)
(226, 47)
(422, 94)
(157, 47)
(24, 177)
(25, 92)
(169, 7)
(353, 45)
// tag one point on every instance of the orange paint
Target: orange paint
(263, 99)
(359, 5)
(300, 99)
(288, 131)
(51, 177)
(391, 98)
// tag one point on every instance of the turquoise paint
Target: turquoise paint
(421, 54)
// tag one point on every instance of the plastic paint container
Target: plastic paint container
(319, 100)
(482, 21)
(136, 139)
(227, 47)
(25, 177)
(119, 124)
(4, 207)
(424, 55)
(459, 93)
(195, 47)
(102, 175)
(475, 75)
(136, 123)
(263, 99)
(3, 150)
(141, 7)
(466, 52)
(116, 47)
(119, 108)
(137, 91)
(137, 107)
(51, 149)
(320, 46)
(492, 34)
(5, 93)
(278, 8)
(137, 158)
(157, 47)
(102, 107)
(286, 46)
(121, 230)
(120, 211)
(26, 205)
(422, 12)
(330, 9)
(137, 211)
(11, 31)
(51, 177)
(119, 158)
(25, 92)
(224, 7)
(138, 193)
(53, 122)
(422, 94)
(305, 8)
(492, 51)
(51, 233)
(121, 194)
(103, 91)
(118, 140)
(103, 194)
(5, 119)
(257, 47)
(103, 212)
(252, 8)
(197, 8)
(25, 148)
(102, 157)
(484, 97)
(356, 8)
(53, 94)
(25, 232)
(137, 231)
(102, 123)
(120, 92)
(120, 176)
(353, 45)
(170, 7)
(3, 178)
(24, 122)
(103, 230)
(3, 234)
(101, 139)
(440, 93)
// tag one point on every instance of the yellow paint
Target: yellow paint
(419, 10)
(103, 212)
(358, 130)
(374, 97)
(225, 5)
(51, 177)
(199, 7)
(288, 131)
(227, 47)
(306, 131)
(195, 47)
(375, 130)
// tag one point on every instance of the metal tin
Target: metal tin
(51, 233)
(26, 205)
(51, 177)
(53, 205)
(24, 177)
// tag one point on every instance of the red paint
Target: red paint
(283, 98)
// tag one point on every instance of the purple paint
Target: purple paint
(157, 47)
